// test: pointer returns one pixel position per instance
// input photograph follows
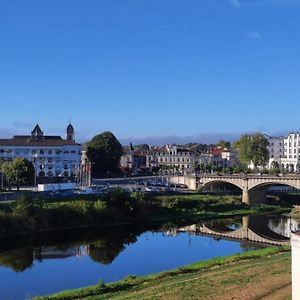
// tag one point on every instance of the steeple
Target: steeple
(37, 133)
(70, 133)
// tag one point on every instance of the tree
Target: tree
(104, 151)
(18, 172)
(275, 167)
(224, 144)
(253, 148)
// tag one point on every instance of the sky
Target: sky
(154, 70)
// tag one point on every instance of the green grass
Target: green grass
(181, 278)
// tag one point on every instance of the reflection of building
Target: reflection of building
(56, 252)
(50, 155)
(295, 242)
(284, 226)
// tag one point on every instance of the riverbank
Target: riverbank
(250, 275)
(27, 215)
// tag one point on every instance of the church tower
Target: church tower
(70, 136)
(37, 133)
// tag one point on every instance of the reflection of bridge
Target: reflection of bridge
(255, 232)
(249, 184)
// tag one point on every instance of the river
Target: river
(48, 263)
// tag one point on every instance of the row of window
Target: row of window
(37, 151)
(166, 159)
(172, 153)
(180, 166)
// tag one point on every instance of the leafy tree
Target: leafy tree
(253, 148)
(275, 167)
(19, 172)
(104, 151)
(224, 144)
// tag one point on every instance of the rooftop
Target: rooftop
(37, 138)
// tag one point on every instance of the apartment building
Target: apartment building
(171, 156)
(50, 155)
(291, 158)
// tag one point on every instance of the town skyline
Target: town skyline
(83, 137)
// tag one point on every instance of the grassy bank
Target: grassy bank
(250, 275)
(29, 215)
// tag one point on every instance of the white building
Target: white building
(223, 157)
(171, 157)
(291, 160)
(50, 155)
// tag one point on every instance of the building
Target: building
(223, 157)
(284, 152)
(133, 161)
(183, 160)
(276, 150)
(290, 161)
(172, 158)
(50, 155)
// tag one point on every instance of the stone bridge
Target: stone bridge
(247, 232)
(248, 183)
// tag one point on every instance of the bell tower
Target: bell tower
(70, 136)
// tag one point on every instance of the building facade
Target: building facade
(290, 161)
(50, 155)
(284, 152)
(171, 157)
(133, 161)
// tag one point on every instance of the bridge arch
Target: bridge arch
(222, 181)
(272, 183)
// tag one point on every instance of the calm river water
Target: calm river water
(43, 264)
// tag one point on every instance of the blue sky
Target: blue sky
(150, 68)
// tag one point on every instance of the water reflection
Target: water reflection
(103, 246)
(46, 263)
